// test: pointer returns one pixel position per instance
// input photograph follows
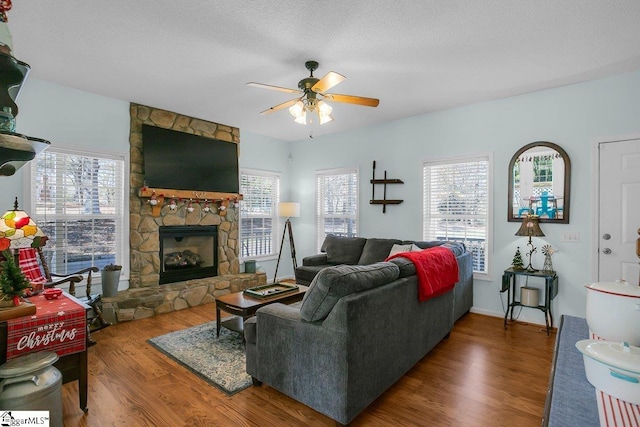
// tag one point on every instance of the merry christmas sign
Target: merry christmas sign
(59, 325)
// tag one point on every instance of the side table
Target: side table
(550, 292)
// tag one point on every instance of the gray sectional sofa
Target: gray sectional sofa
(357, 331)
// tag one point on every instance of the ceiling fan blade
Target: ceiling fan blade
(280, 106)
(350, 99)
(327, 82)
(271, 87)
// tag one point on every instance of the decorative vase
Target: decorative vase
(110, 280)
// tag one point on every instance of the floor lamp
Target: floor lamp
(287, 210)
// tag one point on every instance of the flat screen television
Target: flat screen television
(182, 161)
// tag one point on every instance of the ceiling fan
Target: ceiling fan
(313, 93)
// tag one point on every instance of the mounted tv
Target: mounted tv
(182, 161)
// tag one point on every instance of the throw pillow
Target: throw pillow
(332, 283)
(415, 248)
(376, 250)
(343, 250)
(399, 248)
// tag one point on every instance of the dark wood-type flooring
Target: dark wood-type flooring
(482, 375)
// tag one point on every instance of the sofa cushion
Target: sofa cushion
(458, 248)
(343, 250)
(332, 283)
(376, 250)
(396, 249)
(405, 266)
(424, 245)
(306, 273)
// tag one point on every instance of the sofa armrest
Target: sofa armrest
(319, 259)
(291, 354)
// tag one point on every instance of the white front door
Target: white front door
(619, 210)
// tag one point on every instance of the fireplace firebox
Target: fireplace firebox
(188, 252)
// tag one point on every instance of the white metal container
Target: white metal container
(529, 296)
(613, 311)
(613, 368)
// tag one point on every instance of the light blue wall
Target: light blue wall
(573, 117)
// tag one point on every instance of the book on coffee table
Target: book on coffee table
(268, 291)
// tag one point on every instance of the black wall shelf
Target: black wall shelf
(384, 201)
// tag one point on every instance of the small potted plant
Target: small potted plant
(110, 279)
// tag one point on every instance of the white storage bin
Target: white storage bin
(613, 368)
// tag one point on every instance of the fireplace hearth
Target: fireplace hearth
(188, 252)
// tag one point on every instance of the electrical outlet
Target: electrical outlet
(571, 237)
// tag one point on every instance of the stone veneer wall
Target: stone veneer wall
(145, 297)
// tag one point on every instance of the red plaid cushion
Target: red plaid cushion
(28, 263)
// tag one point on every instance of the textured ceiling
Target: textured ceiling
(195, 57)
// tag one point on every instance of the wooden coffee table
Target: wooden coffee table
(243, 306)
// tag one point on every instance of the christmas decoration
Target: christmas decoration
(12, 281)
(517, 260)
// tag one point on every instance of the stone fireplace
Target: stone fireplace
(146, 296)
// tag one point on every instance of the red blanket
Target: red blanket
(436, 268)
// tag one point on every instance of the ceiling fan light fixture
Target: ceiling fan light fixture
(324, 112)
(302, 119)
(310, 88)
(297, 109)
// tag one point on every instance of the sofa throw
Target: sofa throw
(436, 268)
(332, 283)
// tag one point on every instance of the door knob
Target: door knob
(606, 236)
(606, 251)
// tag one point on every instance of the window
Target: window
(543, 168)
(77, 198)
(337, 203)
(258, 213)
(456, 205)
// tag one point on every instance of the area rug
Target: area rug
(218, 360)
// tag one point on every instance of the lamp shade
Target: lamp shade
(530, 227)
(289, 209)
(18, 230)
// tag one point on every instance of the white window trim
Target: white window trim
(27, 189)
(488, 276)
(335, 171)
(277, 227)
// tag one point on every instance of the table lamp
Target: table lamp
(531, 228)
(287, 210)
(18, 230)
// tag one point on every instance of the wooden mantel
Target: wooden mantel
(161, 193)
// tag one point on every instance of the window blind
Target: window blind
(336, 203)
(456, 205)
(258, 213)
(77, 199)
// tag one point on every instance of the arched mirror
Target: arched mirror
(539, 183)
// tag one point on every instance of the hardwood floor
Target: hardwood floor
(481, 375)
